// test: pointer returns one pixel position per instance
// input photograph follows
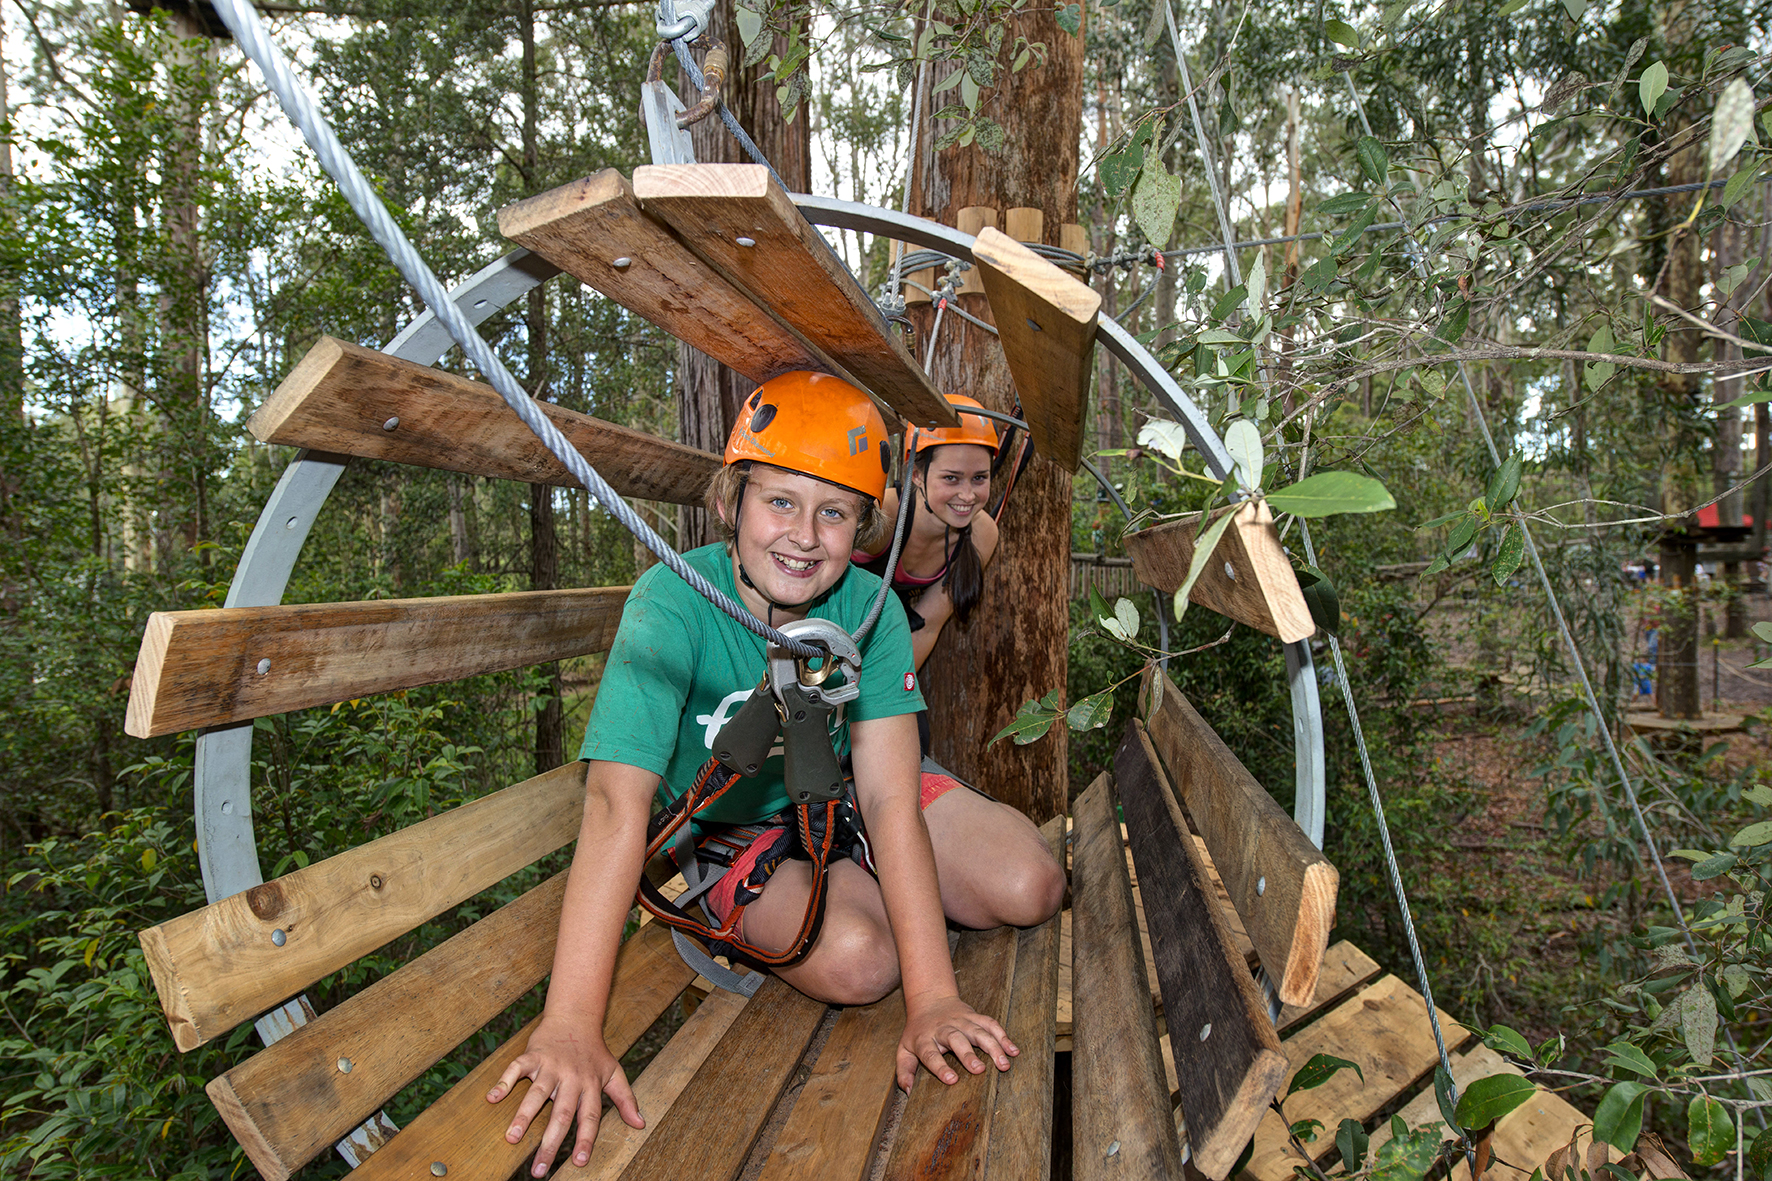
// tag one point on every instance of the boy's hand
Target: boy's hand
(949, 1024)
(574, 1069)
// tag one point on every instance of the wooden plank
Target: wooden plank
(1229, 1061)
(341, 397)
(595, 231)
(1021, 1124)
(1121, 1126)
(229, 664)
(1282, 886)
(234, 959)
(1384, 1028)
(789, 268)
(837, 1119)
(466, 1134)
(659, 1086)
(1258, 589)
(1345, 968)
(973, 219)
(1524, 1137)
(295, 1098)
(1046, 319)
(1025, 224)
(740, 1082)
(946, 1130)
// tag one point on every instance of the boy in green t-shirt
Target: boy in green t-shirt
(805, 470)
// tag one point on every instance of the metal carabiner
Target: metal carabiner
(840, 652)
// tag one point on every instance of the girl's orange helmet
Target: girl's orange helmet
(974, 429)
(817, 425)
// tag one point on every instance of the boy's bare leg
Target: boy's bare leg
(854, 961)
(993, 866)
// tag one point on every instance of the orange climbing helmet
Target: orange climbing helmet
(974, 429)
(817, 425)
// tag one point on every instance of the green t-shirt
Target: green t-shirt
(680, 669)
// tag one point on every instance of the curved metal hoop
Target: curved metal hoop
(227, 851)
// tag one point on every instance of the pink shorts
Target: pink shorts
(719, 899)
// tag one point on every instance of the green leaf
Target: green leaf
(1154, 201)
(1093, 711)
(1375, 162)
(1508, 555)
(1243, 440)
(1619, 1117)
(1098, 608)
(1759, 793)
(1650, 87)
(1322, 599)
(1740, 183)
(1698, 1023)
(1070, 18)
(1508, 1041)
(1443, 1097)
(1351, 1141)
(1126, 614)
(1462, 535)
(1447, 520)
(1407, 1156)
(1488, 1099)
(1710, 1133)
(1713, 866)
(1120, 169)
(1319, 1070)
(1328, 493)
(1731, 123)
(1160, 434)
(1341, 33)
(1031, 721)
(1353, 232)
(1598, 373)
(1203, 548)
(1305, 1130)
(750, 24)
(1753, 834)
(1511, 7)
(1229, 302)
(1344, 203)
(1625, 1056)
(1458, 318)
(1759, 1153)
(1504, 484)
(1763, 631)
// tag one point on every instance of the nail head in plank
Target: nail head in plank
(946, 1130)
(340, 397)
(220, 965)
(741, 1081)
(837, 1119)
(1282, 886)
(1021, 1124)
(660, 1085)
(228, 664)
(1260, 588)
(292, 1100)
(1229, 1064)
(468, 1134)
(791, 270)
(594, 230)
(1121, 1126)
(1046, 320)
(1384, 1028)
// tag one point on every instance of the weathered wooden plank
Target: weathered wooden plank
(595, 231)
(1229, 1062)
(838, 1116)
(466, 1134)
(1282, 886)
(1384, 1028)
(1524, 1137)
(342, 398)
(660, 1084)
(1046, 320)
(1021, 1124)
(738, 220)
(234, 959)
(1121, 1126)
(1248, 579)
(295, 1098)
(741, 1081)
(946, 1130)
(227, 664)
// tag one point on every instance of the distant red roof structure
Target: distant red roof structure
(1710, 518)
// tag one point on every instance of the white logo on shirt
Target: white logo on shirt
(731, 704)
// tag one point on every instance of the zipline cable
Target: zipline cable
(250, 32)
(1233, 279)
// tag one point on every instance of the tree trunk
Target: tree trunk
(544, 543)
(1676, 665)
(1015, 649)
(708, 393)
(12, 381)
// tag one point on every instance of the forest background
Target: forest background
(167, 254)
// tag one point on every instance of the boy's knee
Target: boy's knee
(860, 963)
(1033, 891)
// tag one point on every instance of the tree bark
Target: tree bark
(1676, 664)
(1016, 647)
(12, 379)
(708, 393)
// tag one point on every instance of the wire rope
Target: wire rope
(250, 32)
